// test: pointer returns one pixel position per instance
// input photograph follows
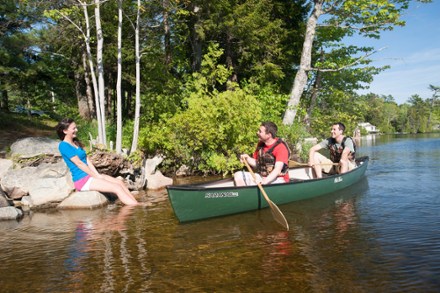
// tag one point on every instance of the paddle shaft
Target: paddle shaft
(276, 213)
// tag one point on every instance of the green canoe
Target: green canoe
(219, 198)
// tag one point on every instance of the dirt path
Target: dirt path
(9, 136)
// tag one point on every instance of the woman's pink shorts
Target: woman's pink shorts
(83, 184)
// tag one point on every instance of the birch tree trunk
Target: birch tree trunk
(118, 84)
(91, 66)
(138, 83)
(301, 78)
(100, 67)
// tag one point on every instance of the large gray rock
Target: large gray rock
(10, 213)
(3, 199)
(84, 200)
(155, 179)
(34, 146)
(45, 183)
(48, 190)
(16, 182)
(5, 166)
(151, 164)
(158, 181)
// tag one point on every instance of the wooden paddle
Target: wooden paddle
(276, 213)
(297, 164)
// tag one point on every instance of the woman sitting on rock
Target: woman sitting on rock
(84, 174)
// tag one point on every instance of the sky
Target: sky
(412, 51)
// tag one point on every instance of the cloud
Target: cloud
(428, 56)
(408, 76)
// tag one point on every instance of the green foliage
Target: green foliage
(136, 158)
(293, 135)
(418, 115)
(89, 130)
(304, 153)
(272, 101)
(339, 107)
(211, 74)
(209, 134)
(127, 131)
(86, 129)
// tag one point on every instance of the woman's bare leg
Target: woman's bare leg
(118, 181)
(104, 185)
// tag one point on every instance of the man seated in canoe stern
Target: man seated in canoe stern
(270, 159)
(342, 150)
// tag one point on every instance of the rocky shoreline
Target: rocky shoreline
(33, 176)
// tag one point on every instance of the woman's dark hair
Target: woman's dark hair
(63, 125)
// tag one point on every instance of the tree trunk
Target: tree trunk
(300, 81)
(229, 58)
(5, 101)
(98, 109)
(89, 90)
(134, 143)
(313, 99)
(83, 107)
(118, 84)
(128, 100)
(100, 67)
(167, 32)
(196, 44)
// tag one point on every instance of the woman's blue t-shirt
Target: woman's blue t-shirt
(68, 151)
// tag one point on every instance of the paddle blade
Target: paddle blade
(278, 215)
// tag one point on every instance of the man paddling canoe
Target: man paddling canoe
(270, 159)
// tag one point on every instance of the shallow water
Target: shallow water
(380, 235)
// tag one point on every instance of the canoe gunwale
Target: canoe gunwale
(203, 186)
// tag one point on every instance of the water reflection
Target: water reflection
(278, 248)
(366, 140)
(88, 233)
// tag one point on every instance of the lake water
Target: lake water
(380, 235)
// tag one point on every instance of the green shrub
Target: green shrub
(210, 134)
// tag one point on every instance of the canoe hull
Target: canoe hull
(202, 201)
